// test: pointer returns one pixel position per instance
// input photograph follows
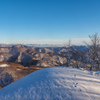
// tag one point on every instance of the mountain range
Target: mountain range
(31, 55)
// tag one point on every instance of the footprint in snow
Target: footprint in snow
(75, 75)
(75, 84)
(79, 90)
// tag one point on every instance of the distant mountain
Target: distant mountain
(45, 45)
(36, 45)
(31, 55)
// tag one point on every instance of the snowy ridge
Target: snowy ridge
(55, 83)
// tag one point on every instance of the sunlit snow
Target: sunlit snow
(55, 83)
(4, 65)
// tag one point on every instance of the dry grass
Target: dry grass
(17, 71)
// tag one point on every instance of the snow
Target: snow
(18, 69)
(55, 83)
(4, 65)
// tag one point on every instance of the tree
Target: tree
(5, 79)
(68, 53)
(94, 52)
(76, 55)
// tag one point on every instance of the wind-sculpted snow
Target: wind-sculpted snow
(55, 83)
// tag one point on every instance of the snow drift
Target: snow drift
(55, 83)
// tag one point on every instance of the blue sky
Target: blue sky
(48, 21)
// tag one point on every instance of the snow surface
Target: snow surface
(55, 83)
(4, 65)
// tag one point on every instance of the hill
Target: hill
(55, 83)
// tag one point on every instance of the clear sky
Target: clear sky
(48, 21)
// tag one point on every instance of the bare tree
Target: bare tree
(94, 52)
(77, 57)
(74, 53)
(68, 53)
(5, 79)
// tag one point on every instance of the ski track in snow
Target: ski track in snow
(55, 83)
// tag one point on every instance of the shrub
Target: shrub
(5, 79)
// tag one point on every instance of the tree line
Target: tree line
(89, 59)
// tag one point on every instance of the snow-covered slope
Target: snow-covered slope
(55, 83)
